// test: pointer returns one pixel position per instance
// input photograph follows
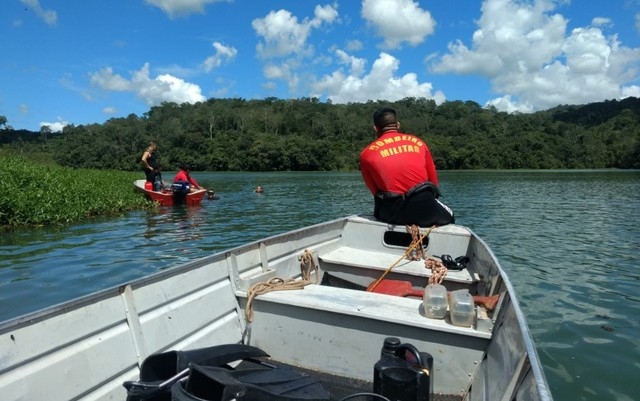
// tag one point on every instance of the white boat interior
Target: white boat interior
(86, 348)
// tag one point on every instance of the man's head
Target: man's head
(185, 167)
(385, 120)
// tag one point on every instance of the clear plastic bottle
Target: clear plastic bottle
(435, 301)
(462, 309)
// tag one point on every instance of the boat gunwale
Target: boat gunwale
(532, 352)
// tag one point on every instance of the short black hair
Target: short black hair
(185, 167)
(384, 117)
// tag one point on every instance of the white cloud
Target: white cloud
(398, 21)
(50, 17)
(272, 71)
(163, 88)
(282, 35)
(524, 50)
(285, 38)
(175, 8)
(55, 126)
(505, 103)
(380, 84)
(354, 45)
(106, 79)
(601, 21)
(270, 85)
(223, 54)
(587, 52)
(356, 65)
(328, 14)
(631, 91)
(283, 72)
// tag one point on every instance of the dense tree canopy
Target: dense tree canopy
(305, 134)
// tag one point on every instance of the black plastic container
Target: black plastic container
(403, 373)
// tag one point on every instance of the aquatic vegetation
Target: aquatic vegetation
(33, 194)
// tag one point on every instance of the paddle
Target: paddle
(404, 289)
(397, 287)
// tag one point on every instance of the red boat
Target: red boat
(167, 197)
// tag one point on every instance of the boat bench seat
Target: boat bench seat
(348, 256)
(362, 304)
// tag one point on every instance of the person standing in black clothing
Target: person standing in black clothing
(151, 166)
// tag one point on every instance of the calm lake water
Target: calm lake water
(569, 241)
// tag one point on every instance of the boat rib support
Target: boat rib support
(137, 337)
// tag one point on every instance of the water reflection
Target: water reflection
(178, 223)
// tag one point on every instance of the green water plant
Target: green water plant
(33, 194)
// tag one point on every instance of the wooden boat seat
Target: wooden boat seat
(348, 256)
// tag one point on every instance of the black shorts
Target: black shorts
(418, 206)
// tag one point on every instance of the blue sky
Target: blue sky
(84, 62)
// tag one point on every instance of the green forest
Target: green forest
(308, 135)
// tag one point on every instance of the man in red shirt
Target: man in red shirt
(184, 176)
(399, 171)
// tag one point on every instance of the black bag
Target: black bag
(265, 383)
(159, 372)
(205, 374)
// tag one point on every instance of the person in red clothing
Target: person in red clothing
(183, 177)
(400, 173)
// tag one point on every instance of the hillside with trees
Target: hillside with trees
(308, 135)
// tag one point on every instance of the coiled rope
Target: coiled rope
(438, 270)
(307, 264)
(414, 244)
(417, 252)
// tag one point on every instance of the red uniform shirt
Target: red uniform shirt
(183, 176)
(395, 162)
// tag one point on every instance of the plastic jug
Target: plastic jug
(403, 373)
(461, 308)
(435, 301)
